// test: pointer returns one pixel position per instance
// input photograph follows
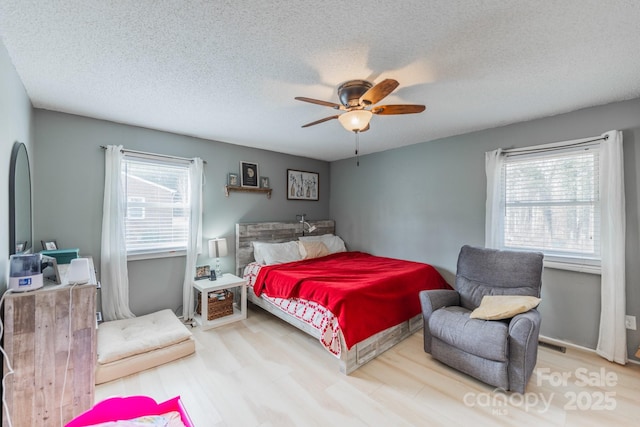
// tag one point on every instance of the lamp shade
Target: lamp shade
(218, 248)
(356, 120)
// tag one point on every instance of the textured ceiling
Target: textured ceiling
(229, 70)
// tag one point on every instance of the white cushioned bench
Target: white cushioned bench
(128, 346)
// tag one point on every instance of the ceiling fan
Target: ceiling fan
(356, 96)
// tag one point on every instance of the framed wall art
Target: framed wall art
(249, 174)
(303, 185)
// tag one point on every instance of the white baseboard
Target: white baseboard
(561, 343)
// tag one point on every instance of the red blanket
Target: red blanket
(367, 294)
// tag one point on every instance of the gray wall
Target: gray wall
(69, 181)
(15, 125)
(425, 201)
(420, 202)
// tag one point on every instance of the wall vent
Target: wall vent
(555, 347)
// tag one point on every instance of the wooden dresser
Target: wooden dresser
(50, 339)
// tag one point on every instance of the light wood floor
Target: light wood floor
(263, 372)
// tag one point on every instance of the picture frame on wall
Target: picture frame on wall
(249, 175)
(264, 182)
(303, 185)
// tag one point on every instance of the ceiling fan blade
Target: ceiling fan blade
(326, 119)
(319, 102)
(379, 91)
(398, 109)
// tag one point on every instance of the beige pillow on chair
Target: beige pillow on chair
(497, 307)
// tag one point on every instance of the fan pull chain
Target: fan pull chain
(357, 148)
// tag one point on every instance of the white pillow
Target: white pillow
(333, 243)
(257, 252)
(276, 253)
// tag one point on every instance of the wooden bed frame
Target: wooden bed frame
(275, 232)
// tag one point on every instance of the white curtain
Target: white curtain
(194, 243)
(612, 340)
(113, 259)
(494, 160)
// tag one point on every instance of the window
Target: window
(551, 203)
(158, 207)
(135, 207)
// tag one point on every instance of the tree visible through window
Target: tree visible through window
(158, 207)
(552, 203)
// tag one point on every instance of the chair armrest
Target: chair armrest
(524, 330)
(431, 301)
(434, 299)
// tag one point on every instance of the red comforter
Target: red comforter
(367, 294)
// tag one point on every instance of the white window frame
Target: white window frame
(158, 252)
(552, 259)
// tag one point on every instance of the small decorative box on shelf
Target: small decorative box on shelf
(226, 301)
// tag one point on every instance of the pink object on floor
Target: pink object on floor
(126, 408)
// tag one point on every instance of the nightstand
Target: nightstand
(230, 282)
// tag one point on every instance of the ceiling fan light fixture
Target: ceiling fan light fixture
(356, 120)
(355, 96)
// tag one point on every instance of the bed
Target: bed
(271, 289)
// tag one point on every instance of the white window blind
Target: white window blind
(552, 204)
(158, 206)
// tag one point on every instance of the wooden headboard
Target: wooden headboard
(272, 232)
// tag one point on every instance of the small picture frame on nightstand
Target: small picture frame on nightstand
(203, 272)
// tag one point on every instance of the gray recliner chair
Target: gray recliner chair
(501, 353)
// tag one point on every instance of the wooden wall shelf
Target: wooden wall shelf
(230, 188)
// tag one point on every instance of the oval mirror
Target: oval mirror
(20, 238)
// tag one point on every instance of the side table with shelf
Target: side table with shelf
(229, 282)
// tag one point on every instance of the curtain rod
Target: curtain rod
(551, 147)
(125, 150)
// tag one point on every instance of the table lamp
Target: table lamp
(218, 249)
